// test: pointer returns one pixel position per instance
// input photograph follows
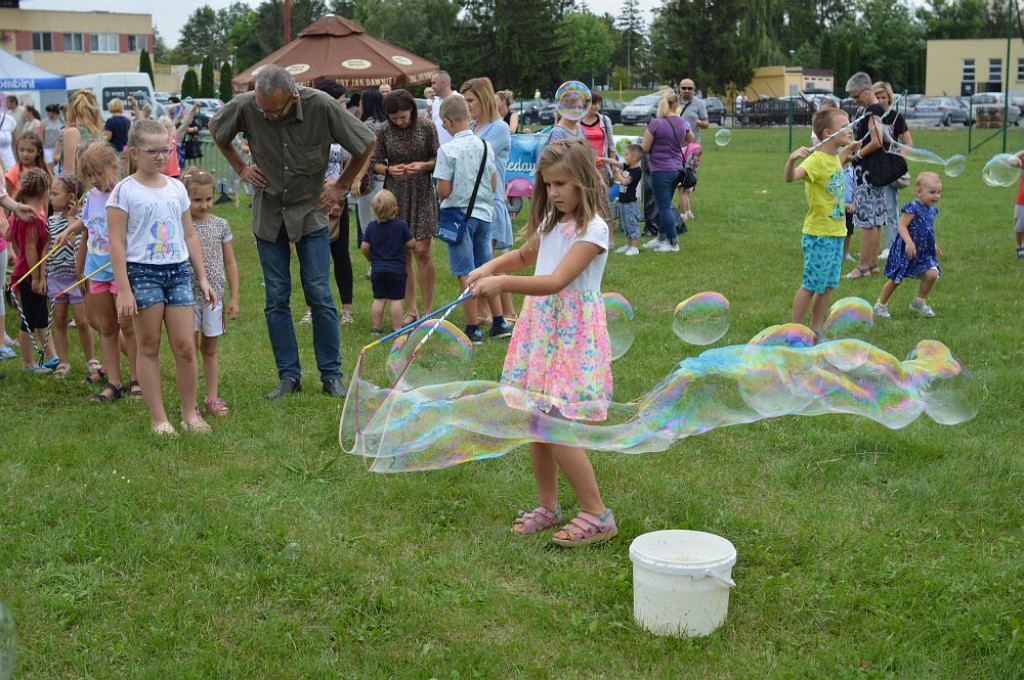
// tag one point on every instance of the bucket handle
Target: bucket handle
(727, 582)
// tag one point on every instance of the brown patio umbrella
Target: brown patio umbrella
(338, 49)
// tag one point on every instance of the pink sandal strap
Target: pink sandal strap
(586, 528)
(539, 519)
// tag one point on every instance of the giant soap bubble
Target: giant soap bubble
(701, 319)
(1002, 171)
(445, 357)
(619, 316)
(8, 643)
(572, 100)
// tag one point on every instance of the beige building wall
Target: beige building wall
(17, 27)
(778, 81)
(981, 62)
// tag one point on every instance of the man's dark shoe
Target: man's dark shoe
(334, 388)
(286, 386)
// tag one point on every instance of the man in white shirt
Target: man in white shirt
(442, 84)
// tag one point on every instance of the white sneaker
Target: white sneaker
(307, 317)
(850, 258)
(632, 251)
(921, 307)
(621, 249)
(884, 255)
(688, 216)
(881, 311)
(654, 243)
(667, 247)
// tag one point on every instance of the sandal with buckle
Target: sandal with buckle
(540, 519)
(874, 269)
(134, 390)
(216, 407)
(94, 372)
(860, 273)
(38, 369)
(408, 318)
(110, 392)
(7, 353)
(63, 368)
(586, 529)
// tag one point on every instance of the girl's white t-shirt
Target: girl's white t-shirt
(555, 244)
(155, 232)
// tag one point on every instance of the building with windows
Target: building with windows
(76, 43)
(782, 81)
(963, 67)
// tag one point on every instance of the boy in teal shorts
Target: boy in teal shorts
(825, 224)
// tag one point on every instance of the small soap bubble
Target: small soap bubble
(723, 137)
(619, 319)
(955, 165)
(623, 144)
(850, 317)
(8, 643)
(573, 100)
(702, 318)
(1002, 171)
(444, 358)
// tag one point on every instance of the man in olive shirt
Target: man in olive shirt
(290, 131)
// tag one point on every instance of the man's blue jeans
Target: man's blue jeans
(314, 251)
(663, 185)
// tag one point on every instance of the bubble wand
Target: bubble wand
(858, 119)
(34, 267)
(82, 280)
(358, 370)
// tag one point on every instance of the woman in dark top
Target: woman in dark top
(504, 100)
(869, 201)
(898, 130)
(116, 127)
(405, 154)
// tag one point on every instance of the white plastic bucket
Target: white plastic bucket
(681, 581)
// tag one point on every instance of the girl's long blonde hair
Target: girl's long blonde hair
(83, 110)
(575, 159)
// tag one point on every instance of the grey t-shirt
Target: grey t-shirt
(691, 112)
(293, 154)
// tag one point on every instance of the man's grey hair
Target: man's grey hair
(444, 77)
(272, 78)
(858, 81)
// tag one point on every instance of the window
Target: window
(73, 42)
(42, 42)
(104, 42)
(138, 43)
(1020, 70)
(995, 70)
(968, 71)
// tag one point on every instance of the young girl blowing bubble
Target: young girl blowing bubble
(559, 357)
(61, 276)
(152, 241)
(915, 254)
(100, 167)
(214, 235)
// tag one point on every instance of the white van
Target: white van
(107, 86)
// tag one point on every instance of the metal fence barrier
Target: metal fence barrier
(213, 162)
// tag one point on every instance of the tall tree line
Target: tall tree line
(530, 45)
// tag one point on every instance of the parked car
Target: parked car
(613, 109)
(938, 111)
(716, 110)
(992, 103)
(529, 110)
(777, 111)
(641, 110)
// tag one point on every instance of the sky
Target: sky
(169, 17)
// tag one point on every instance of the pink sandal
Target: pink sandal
(539, 519)
(216, 407)
(587, 529)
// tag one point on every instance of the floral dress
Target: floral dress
(922, 233)
(414, 193)
(559, 356)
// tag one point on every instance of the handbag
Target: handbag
(883, 168)
(193, 147)
(451, 222)
(687, 176)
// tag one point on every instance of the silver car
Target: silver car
(641, 110)
(938, 111)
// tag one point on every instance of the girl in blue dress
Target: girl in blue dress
(915, 254)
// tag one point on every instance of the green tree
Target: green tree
(146, 66)
(430, 28)
(207, 88)
(200, 36)
(953, 19)
(759, 35)
(588, 46)
(190, 84)
(713, 60)
(225, 92)
(633, 41)
(261, 31)
(161, 54)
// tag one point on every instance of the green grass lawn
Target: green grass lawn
(261, 551)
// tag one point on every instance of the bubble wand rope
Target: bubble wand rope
(357, 372)
(82, 280)
(29, 272)
(41, 351)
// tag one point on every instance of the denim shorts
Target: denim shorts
(474, 250)
(170, 284)
(823, 258)
(629, 216)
